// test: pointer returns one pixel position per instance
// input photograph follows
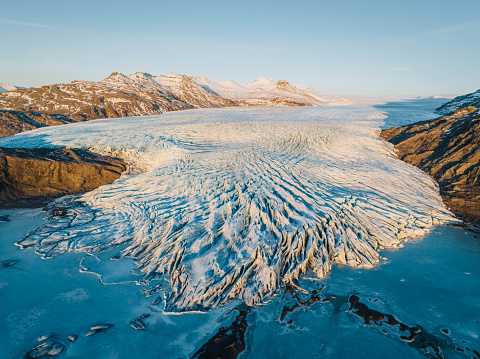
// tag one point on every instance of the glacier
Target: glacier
(229, 204)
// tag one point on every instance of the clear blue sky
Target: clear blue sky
(416, 47)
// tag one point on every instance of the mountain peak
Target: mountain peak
(263, 79)
(8, 87)
(116, 76)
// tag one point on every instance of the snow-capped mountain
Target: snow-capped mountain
(263, 92)
(143, 94)
(471, 99)
(9, 87)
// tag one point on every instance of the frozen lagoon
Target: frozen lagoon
(431, 282)
(343, 178)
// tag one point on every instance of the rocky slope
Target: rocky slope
(447, 148)
(471, 99)
(142, 94)
(32, 177)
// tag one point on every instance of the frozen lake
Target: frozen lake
(295, 212)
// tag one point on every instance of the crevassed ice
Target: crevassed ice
(233, 203)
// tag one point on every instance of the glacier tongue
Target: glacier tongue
(234, 203)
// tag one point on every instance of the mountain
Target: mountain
(471, 99)
(448, 149)
(263, 92)
(143, 94)
(9, 87)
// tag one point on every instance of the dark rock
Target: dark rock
(32, 177)
(417, 337)
(4, 218)
(476, 353)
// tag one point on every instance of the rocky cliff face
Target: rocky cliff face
(32, 177)
(142, 94)
(447, 148)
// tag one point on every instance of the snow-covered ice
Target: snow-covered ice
(231, 204)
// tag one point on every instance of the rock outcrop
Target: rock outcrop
(32, 177)
(142, 94)
(447, 148)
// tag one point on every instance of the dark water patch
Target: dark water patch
(401, 113)
(8, 263)
(415, 336)
(229, 341)
(294, 299)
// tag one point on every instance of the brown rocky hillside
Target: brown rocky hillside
(142, 94)
(32, 177)
(447, 148)
(116, 96)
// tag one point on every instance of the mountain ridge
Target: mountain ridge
(142, 94)
(470, 99)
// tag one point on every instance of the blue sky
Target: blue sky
(419, 47)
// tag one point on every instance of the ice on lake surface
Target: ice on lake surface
(230, 206)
